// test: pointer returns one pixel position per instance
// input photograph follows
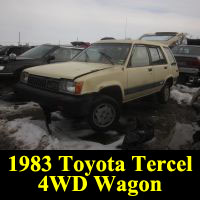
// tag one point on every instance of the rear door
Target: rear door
(159, 65)
(140, 76)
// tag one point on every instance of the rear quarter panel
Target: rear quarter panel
(173, 68)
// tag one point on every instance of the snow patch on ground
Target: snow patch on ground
(8, 108)
(185, 89)
(27, 134)
(183, 94)
(181, 98)
(183, 136)
(31, 134)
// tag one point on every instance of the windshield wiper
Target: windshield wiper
(107, 57)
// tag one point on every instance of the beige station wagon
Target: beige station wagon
(101, 78)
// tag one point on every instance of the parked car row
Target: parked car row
(93, 81)
(12, 66)
(39, 55)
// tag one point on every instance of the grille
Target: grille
(43, 83)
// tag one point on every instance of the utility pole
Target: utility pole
(126, 28)
(19, 43)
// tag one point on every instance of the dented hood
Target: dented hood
(68, 70)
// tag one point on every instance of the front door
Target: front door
(140, 74)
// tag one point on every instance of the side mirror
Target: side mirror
(12, 56)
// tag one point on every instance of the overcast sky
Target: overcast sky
(51, 21)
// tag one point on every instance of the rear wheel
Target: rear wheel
(164, 94)
(104, 113)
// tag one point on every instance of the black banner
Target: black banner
(124, 174)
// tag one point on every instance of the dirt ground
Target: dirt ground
(168, 121)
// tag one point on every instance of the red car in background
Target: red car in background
(81, 44)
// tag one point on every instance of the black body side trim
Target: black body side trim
(142, 88)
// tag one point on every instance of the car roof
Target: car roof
(162, 34)
(71, 47)
(64, 46)
(132, 42)
(188, 46)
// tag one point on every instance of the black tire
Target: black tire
(104, 113)
(164, 94)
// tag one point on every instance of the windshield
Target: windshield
(105, 53)
(65, 54)
(37, 52)
(156, 37)
(187, 50)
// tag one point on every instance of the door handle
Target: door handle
(150, 69)
(174, 63)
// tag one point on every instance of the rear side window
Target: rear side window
(170, 55)
(62, 54)
(140, 57)
(14, 50)
(157, 57)
(162, 57)
(75, 52)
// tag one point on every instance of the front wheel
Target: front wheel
(104, 113)
(164, 94)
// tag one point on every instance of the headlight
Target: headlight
(2, 68)
(24, 77)
(69, 86)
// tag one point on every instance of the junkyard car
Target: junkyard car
(7, 51)
(169, 38)
(101, 78)
(188, 60)
(40, 55)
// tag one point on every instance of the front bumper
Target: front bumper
(70, 104)
(6, 75)
(189, 75)
(188, 70)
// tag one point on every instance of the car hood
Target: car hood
(19, 59)
(68, 70)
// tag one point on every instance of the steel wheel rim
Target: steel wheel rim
(104, 115)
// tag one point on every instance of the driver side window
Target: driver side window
(140, 57)
(61, 55)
